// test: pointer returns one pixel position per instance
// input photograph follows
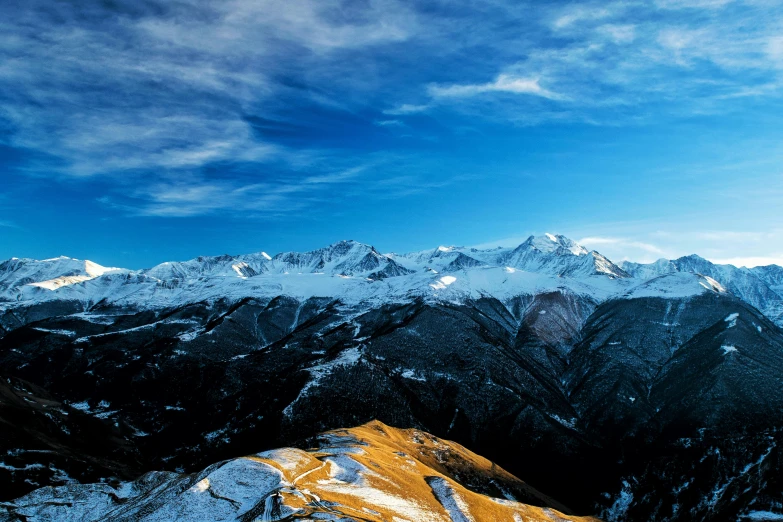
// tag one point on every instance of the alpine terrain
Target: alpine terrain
(625, 391)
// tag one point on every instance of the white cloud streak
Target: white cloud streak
(503, 83)
(191, 196)
(596, 242)
(750, 262)
(406, 108)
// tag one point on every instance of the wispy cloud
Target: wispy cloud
(751, 262)
(503, 83)
(195, 195)
(692, 4)
(406, 108)
(758, 247)
(575, 14)
(595, 242)
(389, 123)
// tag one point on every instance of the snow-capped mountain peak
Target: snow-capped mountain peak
(558, 244)
(559, 255)
(211, 266)
(49, 274)
(346, 258)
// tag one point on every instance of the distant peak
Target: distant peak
(693, 257)
(347, 244)
(555, 243)
(58, 258)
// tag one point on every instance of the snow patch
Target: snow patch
(763, 515)
(83, 406)
(732, 320)
(454, 504)
(443, 282)
(727, 349)
(67, 333)
(411, 374)
(200, 486)
(714, 285)
(565, 422)
(621, 504)
(238, 269)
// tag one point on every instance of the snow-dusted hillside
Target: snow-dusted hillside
(373, 473)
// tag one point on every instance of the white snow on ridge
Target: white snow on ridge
(443, 282)
(451, 501)
(675, 285)
(50, 274)
(551, 243)
(150, 293)
(354, 274)
(54, 284)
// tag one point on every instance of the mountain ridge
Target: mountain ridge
(540, 264)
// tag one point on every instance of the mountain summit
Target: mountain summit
(561, 256)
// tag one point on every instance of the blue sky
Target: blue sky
(137, 132)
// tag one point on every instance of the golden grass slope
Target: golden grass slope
(375, 472)
(369, 473)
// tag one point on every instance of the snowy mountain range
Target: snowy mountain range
(354, 273)
(635, 391)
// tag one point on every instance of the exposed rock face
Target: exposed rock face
(373, 473)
